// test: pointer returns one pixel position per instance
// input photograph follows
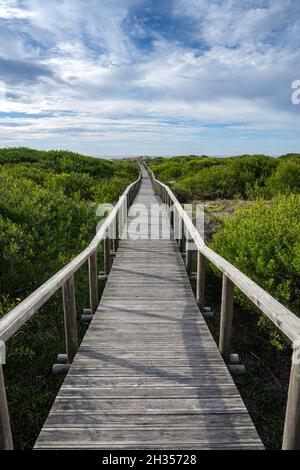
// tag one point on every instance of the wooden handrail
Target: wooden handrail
(15, 319)
(285, 320)
(282, 317)
(64, 279)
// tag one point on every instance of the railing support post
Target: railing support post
(70, 318)
(201, 261)
(182, 237)
(6, 442)
(116, 235)
(93, 281)
(291, 435)
(124, 213)
(188, 255)
(226, 318)
(175, 224)
(107, 255)
(172, 215)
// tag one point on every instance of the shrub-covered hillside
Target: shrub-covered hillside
(262, 238)
(247, 176)
(258, 232)
(47, 209)
(47, 216)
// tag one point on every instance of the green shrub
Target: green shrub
(109, 191)
(212, 178)
(25, 171)
(62, 161)
(40, 231)
(263, 241)
(47, 216)
(286, 179)
(182, 195)
(290, 156)
(75, 185)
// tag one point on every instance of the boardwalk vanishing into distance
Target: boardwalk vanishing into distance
(148, 374)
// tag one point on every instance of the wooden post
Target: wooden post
(116, 235)
(124, 213)
(291, 435)
(226, 318)
(6, 442)
(70, 318)
(201, 261)
(181, 229)
(93, 281)
(188, 255)
(174, 222)
(120, 221)
(107, 255)
(172, 215)
(129, 198)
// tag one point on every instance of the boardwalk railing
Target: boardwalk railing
(64, 279)
(286, 321)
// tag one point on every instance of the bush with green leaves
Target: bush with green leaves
(40, 231)
(63, 161)
(263, 241)
(211, 178)
(286, 179)
(47, 216)
(110, 190)
(75, 185)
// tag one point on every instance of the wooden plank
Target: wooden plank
(144, 446)
(149, 406)
(145, 381)
(211, 391)
(154, 437)
(137, 420)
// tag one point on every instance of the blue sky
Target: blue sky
(122, 77)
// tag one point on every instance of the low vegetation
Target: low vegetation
(246, 177)
(261, 236)
(263, 240)
(47, 216)
(253, 220)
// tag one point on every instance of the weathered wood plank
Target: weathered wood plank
(154, 437)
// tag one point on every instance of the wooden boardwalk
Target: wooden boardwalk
(148, 374)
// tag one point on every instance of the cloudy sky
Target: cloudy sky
(121, 77)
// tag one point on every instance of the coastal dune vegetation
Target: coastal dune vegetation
(252, 214)
(48, 206)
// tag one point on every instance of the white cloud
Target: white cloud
(9, 10)
(86, 61)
